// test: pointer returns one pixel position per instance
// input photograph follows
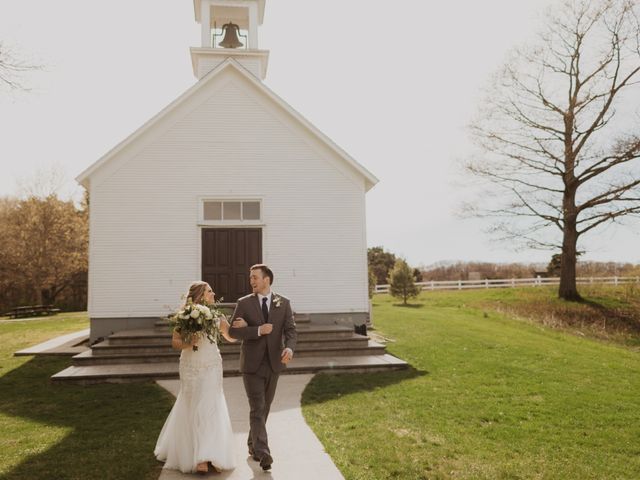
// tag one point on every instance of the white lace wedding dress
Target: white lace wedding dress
(198, 428)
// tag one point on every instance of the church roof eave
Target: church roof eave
(84, 177)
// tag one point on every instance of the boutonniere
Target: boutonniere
(277, 300)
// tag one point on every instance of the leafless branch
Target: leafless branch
(12, 69)
(554, 145)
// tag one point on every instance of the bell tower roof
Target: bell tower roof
(229, 29)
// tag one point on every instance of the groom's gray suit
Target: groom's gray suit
(260, 362)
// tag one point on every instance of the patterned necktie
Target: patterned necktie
(265, 310)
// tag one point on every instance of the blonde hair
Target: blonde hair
(196, 291)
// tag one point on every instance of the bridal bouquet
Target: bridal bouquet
(197, 320)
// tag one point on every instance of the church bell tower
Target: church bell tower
(229, 29)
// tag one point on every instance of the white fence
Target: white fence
(512, 282)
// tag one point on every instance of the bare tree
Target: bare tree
(46, 181)
(560, 131)
(12, 69)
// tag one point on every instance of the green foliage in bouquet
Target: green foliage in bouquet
(196, 320)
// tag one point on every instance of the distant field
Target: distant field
(490, 396)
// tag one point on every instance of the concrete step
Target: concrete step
(92, 358)
(301, 319)
(137, 372)
(89, 357)
(162, 336)
(108, 347)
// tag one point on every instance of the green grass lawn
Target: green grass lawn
(60, 432)
(488, 396)
(608, 312)
(493, 393)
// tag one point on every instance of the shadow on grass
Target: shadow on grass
(615, 317)
(408, 305)
(112, 429)
(324, 387)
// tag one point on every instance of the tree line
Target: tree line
(490, 271)
(43, 252)
(386, 268)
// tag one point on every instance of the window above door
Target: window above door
(230, 211)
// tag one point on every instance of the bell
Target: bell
(230, 39)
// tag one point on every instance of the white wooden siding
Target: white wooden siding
(228, 140)
(206, 64)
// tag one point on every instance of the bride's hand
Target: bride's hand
(224, 329)
(239, 323)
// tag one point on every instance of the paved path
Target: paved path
(64, 345)
(297, 452)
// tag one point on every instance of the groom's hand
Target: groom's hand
(287, 355)
(265, 329)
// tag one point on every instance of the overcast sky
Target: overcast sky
(393, 83)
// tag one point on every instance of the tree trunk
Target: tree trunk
(39, 295)
(568, 289)
(53, 293)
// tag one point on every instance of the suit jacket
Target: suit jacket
(254, 347)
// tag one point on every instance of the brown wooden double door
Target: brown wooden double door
(227, 254)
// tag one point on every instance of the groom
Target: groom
(268, 342)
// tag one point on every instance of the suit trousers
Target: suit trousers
(261, 388)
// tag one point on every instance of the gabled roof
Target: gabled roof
(370, 179)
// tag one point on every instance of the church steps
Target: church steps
(140, 372)
(163, 344)
(155, 336)
(90, 357)
(301, 320)
(146, 354)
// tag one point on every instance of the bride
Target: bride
(198, 429)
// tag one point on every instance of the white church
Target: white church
(226, 176)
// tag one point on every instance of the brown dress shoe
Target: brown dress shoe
(266, 461)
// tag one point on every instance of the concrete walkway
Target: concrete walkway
(69, 344)
(297, 452)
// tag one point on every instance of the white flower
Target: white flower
(195, 313)
(208, 315)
